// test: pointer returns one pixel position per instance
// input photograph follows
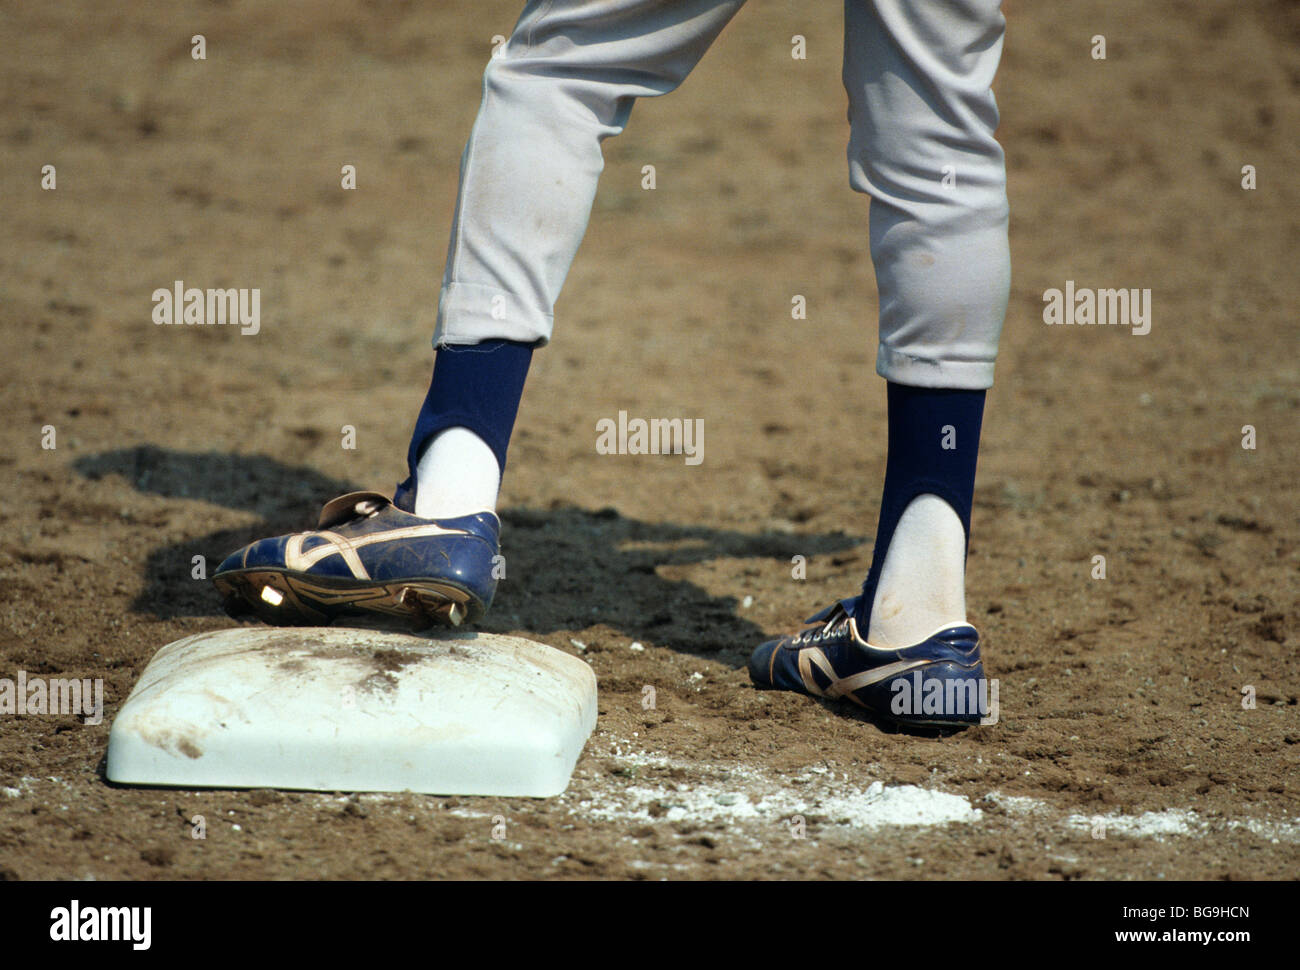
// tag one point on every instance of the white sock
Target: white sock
(457, 475)
(923, 579)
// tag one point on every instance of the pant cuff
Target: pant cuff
(965, 375)
(469, 313)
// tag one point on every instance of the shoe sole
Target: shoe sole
(891, 719)
(284, 598)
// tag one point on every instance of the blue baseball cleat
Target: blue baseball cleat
(367, 556)
(937, 683)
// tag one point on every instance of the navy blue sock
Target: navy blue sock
(475, 386)
(934, 440)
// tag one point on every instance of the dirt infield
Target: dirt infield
(1123, 749)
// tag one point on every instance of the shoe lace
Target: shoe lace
(830, 630)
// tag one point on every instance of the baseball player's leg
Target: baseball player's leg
(565, 80)
(922, 114)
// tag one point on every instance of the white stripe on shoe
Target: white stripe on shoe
(335, 544)
(845, 686)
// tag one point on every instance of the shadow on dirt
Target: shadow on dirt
(566, 567)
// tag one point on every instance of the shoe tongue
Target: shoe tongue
(344, 508)
(404, 496)
(834, 612)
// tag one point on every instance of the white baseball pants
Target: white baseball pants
(918, 75)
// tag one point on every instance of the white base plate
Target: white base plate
(332, 709)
